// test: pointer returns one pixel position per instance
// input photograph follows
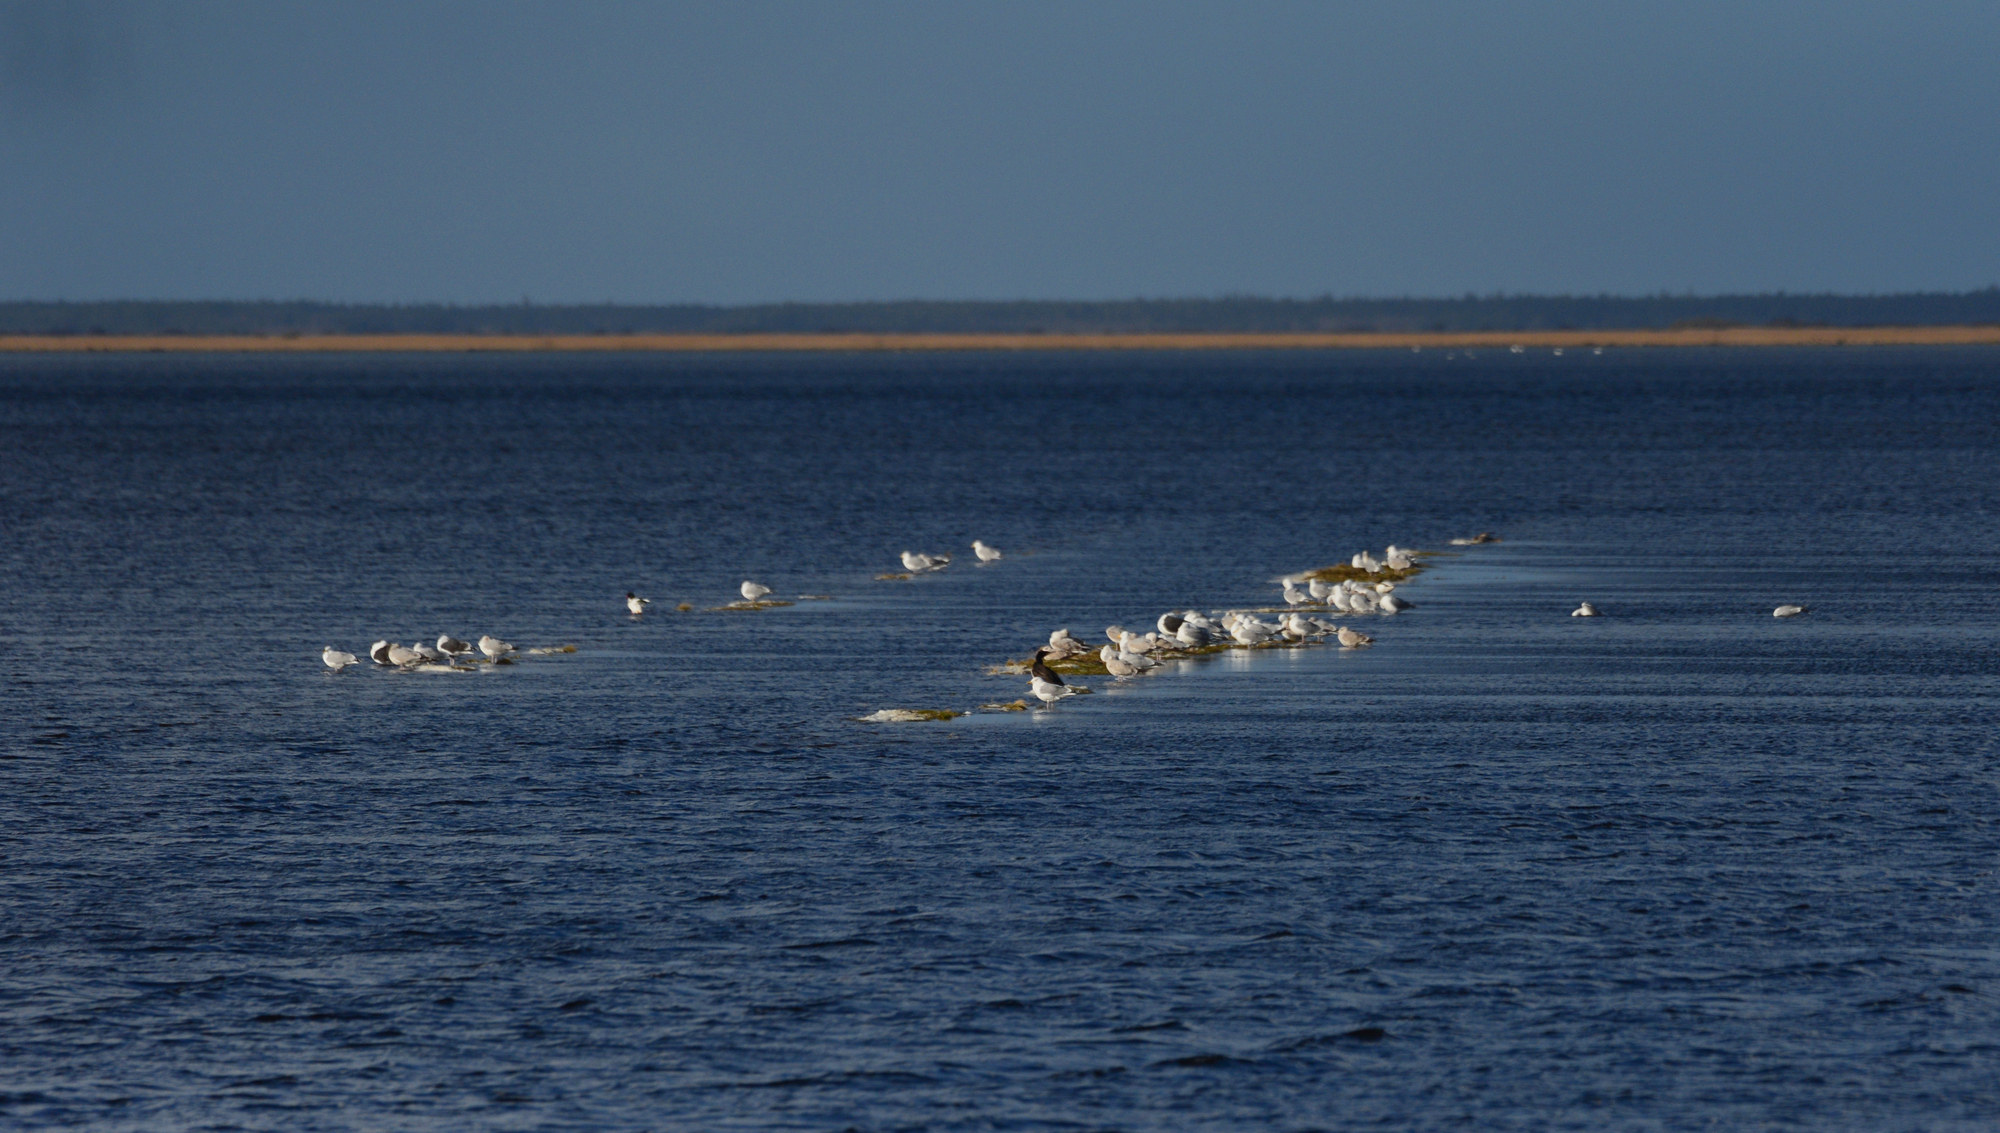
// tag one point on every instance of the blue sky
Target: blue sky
(747, 152)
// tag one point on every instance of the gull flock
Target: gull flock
(1179, 634)
(1126, 655)
(447, 655)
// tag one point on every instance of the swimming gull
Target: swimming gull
(635, 603)
(1586, 610)
(1789, 611)
(1352, 639)
(336, 660)
(1394, 605)
(986, 554)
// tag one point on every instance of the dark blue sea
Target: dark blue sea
(1683, 866)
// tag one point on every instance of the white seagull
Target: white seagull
(1294, 596)
(753, 591)
(915, 563)
(336, 660)
(451, 646)
(1115, 664)
(1352, 639)
(1780, 612)
(1586, 610)
(986, 554)
(403, 658)
(493, 647)
(634, 603)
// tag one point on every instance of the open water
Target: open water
(1685, 866)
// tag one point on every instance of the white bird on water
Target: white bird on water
(493, 647)
(1294, 596)
(752, 591)
(1789, 611)
(1352, 639)
(986, 554)
(633, 603)
(1115, 663)
(1319, 590)
(336, 660)
(1586, 610)
(917, 564)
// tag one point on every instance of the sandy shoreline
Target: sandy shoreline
(1734, 336)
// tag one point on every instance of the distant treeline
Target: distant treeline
(1125, 316)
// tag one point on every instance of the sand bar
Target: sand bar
(330, 343)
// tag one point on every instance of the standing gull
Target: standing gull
(451, 646)
(1045, 683)
(916, 563)
(336, 660)
(1115, 664)
(493, 647)
(986, 554)
(753, 591)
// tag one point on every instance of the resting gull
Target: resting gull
(752, 591)
(1789, 611)
(493, 647)
(451, 646)
(336, 660)
(1586, 610)
(986, 554)
(379, 653)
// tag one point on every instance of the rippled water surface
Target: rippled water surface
(1685, 866)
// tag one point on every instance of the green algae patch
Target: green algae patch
(760, 604)
(1016, 706)
(893, 577)
(684, 607)
(908, 715)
